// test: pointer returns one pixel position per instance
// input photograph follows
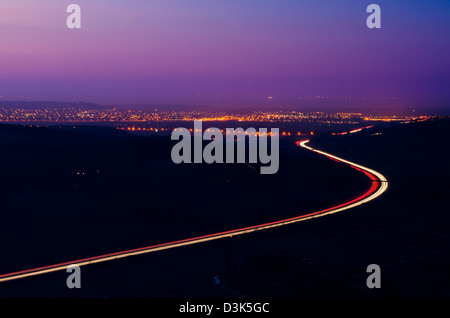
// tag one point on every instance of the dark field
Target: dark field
(69, 194)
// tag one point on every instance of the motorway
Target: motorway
(378, 186)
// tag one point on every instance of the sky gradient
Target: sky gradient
(235, 52)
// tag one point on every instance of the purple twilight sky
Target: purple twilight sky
(228, 52)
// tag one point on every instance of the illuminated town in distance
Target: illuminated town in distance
(78, 115)
(161, 121)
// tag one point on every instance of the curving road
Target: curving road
(378, 186)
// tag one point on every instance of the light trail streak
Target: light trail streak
(353, 131)
(377, 188)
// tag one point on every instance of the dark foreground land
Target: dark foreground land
(74, 193)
